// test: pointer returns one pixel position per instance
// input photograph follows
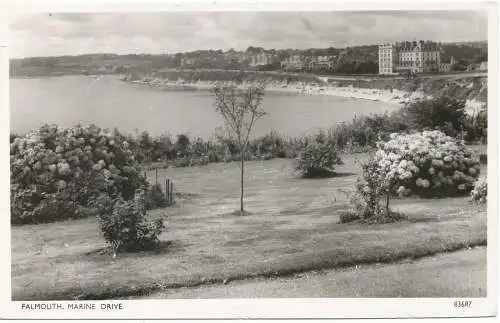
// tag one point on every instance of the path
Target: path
(458, 274)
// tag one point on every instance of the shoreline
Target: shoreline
(393, 97)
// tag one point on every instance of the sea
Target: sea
(109, 102)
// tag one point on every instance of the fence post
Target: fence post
(167, 190)
(171, 193)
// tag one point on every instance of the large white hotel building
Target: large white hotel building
(409, 56)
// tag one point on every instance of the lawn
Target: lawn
(459, 274)
(293, 228)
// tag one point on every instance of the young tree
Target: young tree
(240, 109)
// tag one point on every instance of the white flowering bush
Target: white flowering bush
(427, 164)
(479, 192)
(317, 159)
(371, 188)
(56, 172)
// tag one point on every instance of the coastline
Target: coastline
(393, 97)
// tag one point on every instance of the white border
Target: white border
(258, 308)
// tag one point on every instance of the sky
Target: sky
(170, 32)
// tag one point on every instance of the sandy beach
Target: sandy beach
(387, 96)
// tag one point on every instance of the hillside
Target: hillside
(349, 60)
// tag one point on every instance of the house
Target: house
(321, 63)
(234, 56)
(293, 63)
(446, 67)
(188, 62)
(261, 59)
(473, 67)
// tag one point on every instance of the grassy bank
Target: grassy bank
(434, 276)
(293, 228)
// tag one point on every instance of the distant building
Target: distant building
(413, 57)
(319, 63)
(446, 67)
(261, 59)
(294, 63)
(188, 62)
(234, 56)
(473, 67)
(387, 58)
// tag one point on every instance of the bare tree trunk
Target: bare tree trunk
(241, 197)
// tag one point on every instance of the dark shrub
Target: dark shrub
(346, 217)
(389, 217)
(365, 131)
(182, 144)
(483, 159)
(444, 113)
(125, 224)
(272, 144)
(476, 127)
(155, 197)
(317, 160)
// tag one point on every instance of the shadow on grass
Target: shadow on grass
(321, 211)
(186, 195)
(163, 247)
(424, 220)
(235, 213)
(327, 174)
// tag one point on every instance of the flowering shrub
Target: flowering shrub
(125, 225)
(56, 172)
(371, 188)
(480, 191)
(427, 163)
(317, 159)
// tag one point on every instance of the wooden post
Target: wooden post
(171, 193)
(167, 190)
(156, 176)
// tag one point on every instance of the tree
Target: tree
(461, 66)
(240, 110)
(444, 113)
(146, 146)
